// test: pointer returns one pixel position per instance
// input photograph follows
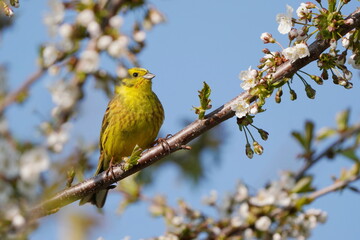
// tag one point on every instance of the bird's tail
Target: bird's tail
(98, 198)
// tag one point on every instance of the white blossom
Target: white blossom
(118, 47)
(352, 62)
(244, 210)
(300, 50)
(211, 199)
(177, 220)
(139, 36)
(169, 236)
(236, 221)
(55, 16)
(290, 53)
(333, 44)
(103, 42)
(263, 223)
(63, 94)
(249, 78)
(121, 71)
(277, 236)
(50, 54)
(85, 17)
(241, 192)
(89, 61)
(87, 2)
(156, 17)
(346, 40)
(241, 108)
(263, 198)
(14, 215)
(248, 234)
(57, 139)
(32, 163)
(66, 30)
(302, 11)
(100, 238)
(116, 21)
(320, 215)
(285, 20)
(94, 29)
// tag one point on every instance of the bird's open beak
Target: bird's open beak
(149, 76)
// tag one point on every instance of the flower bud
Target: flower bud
(348, 85)
(267, 38)
(249, 152)
(278, 95)
(310, 92)
(263, 134)
(293, 34)
(293, 95)
(266, 51)
(325, 75)
(335, 79)
(258, 149)
(317, 79)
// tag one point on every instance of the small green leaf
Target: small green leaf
(303, 185)
(301, 202)
(350, 153)
(299, 138)
(325, 133)
(133, 159)
(205, 102)
(342, 120)
(309, 133)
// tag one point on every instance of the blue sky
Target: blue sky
(208, 41)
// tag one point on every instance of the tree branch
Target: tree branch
(12, 97)
(333, 187)
(184, 136)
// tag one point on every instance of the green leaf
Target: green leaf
(301, 202)
(342, 120)
(325, 133)
(205, 102)
(132, 160)
(306, 139)
(309, 134)
(299, 138)
(350, 153)
(303, 185)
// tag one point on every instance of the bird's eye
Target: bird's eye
(135, 74)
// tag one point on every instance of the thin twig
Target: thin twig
(333, 187)
(354, 130)
(198, 127)
(12, 97)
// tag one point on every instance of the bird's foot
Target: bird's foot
(163, 141)
(110, 170)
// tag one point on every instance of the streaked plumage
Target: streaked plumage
(133, 117)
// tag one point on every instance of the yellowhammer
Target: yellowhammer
(133, 117)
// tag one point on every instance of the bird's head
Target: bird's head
(139, 78)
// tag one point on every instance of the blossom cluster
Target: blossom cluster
(269, 214)
(323, 22)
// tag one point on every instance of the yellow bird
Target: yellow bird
(133, 117)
